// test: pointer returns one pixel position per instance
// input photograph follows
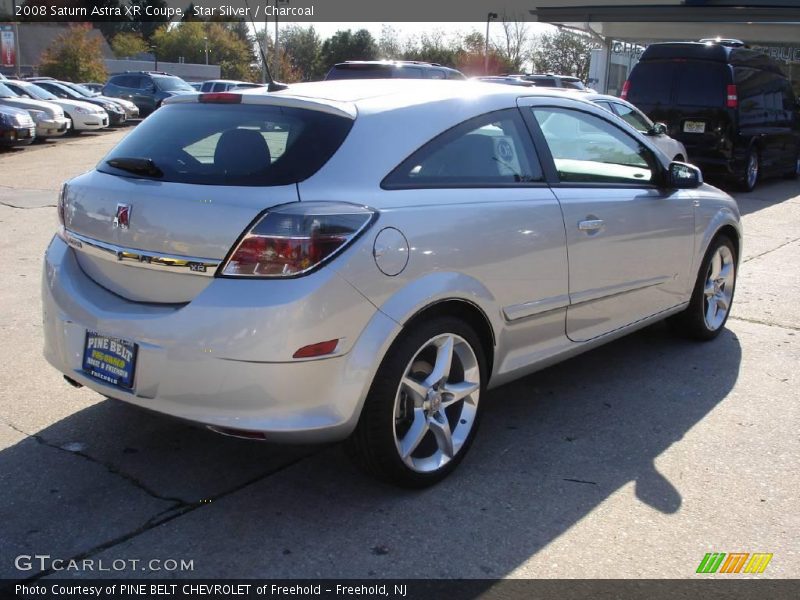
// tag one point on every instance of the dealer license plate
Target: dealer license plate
(109, 359)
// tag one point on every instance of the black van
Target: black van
(733, 108)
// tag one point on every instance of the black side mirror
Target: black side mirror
(658, 129)
(684, 176)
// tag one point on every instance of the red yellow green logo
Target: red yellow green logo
(734, 562)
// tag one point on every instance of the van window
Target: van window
(702, 83)
(651, 83)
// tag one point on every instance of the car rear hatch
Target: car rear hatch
(161, 211)
(690, 96)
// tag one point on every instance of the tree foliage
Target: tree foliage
(75, 55)
(563, 53)
(188, 41)
(346, 45)
(300, 49)
(128, 44)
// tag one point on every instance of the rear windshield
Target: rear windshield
(231, 144)
(360, 72)
(651, 83)
(702, 83)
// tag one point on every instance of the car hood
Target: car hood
(51, 108)
(10, 110)
(64, 103)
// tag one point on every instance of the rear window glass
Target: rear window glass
(651, 83)
(360, 72)
(232, 144)
(701, 83)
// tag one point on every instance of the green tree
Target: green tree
(514, 45)
(127, 44)
(145, 24)
(301, 48)
(75, 55)
(187, 40)
(346, 45)
(563, 53)
(389, 45)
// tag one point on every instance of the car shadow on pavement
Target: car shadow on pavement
(112, 481)
(767, 193)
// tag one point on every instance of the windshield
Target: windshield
(37, 92)
(6, 92)
(82, 90)
(67, 90)
(172, 84)
(228, 144)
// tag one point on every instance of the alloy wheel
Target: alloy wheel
(436, 403)
(718, 290)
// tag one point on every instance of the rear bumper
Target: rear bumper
(213, 361)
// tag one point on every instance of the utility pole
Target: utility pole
(17, 56)
(489, 17)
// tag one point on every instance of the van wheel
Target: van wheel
(712, 296)
(752, 170)
(423, 409)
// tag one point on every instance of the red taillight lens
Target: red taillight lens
(293, 239)
(220, 98)
(732, 99)
(625, 89)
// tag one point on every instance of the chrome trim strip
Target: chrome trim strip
(616, 290)
(536, 307)
(189, 265)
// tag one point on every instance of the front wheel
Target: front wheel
(712, 296)
(422, 411)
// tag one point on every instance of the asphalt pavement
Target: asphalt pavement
(630, 461)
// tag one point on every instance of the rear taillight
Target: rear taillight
(62, 198)
(296, 238)
(732, 97)
(625, 89)
(220, 98)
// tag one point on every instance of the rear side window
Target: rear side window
(232, 144)
(490, 150)
(702, 83)
(633, 117)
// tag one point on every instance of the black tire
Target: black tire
(693, 322)
(372, 446)
(746, 182)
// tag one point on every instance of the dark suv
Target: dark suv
(146, 89)
(391, 69)
(733, 108)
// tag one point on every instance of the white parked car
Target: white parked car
(82, 116)
(48, 117)
(362, 259)
(657, 132)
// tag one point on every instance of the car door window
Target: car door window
(588, 149)
(492, 149)
(632, 116)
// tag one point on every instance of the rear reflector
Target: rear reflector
(318, 349)
(732, 97)
(220, 98)
(625, 89)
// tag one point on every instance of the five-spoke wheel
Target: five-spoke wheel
(422, 411)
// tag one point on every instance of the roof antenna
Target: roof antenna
(272, 85)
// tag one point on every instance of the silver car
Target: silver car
(362, 260)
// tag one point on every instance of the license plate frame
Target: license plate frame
(110, 359)
(694, 126)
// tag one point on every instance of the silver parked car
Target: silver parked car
(361, 260)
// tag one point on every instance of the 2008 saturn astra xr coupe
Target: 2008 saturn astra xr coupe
(361, 260)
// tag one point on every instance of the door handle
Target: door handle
(590, 225)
